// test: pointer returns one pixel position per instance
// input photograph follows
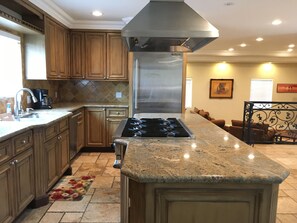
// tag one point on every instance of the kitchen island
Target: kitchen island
(213, 177)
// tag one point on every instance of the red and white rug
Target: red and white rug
(71, 188)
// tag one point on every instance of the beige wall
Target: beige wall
(242, 73)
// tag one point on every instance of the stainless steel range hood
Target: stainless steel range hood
(168, 26)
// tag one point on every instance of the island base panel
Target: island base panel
(199, 203)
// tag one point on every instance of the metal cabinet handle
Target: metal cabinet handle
(16, 161)
(24, 141)
(59, 137)
(12, 163)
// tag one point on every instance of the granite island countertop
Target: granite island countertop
(213, 156)
(47, 116)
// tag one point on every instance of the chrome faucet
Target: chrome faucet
(18, 107)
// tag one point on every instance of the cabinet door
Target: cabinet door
(6, 151)
(95, 127)
(112, 124)
(62, 52)
(77, 52)
(63, 157)
(117, 57)
(51, 48)
(51, 149)
(24, 175)
(95, 56)
(57, 50)
(6, 193)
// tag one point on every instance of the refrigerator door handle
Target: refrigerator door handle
(136, 85)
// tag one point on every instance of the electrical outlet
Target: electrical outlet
(118, 94)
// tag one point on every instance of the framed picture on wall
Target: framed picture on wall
(221, 88)
(286, 88)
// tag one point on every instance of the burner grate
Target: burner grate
(155, 127)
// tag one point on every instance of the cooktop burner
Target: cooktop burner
(154, 127)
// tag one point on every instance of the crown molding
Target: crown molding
(88, 24)
(56, 12)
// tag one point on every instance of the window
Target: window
(10, 64)
(261, 90)
(189, 93)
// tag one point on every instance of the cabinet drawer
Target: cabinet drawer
(117, 112)
(63, 125)
(51, 131)
(23, 141)
(5, 151)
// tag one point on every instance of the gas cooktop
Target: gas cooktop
(154, 127)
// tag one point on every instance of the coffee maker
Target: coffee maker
(44, 102)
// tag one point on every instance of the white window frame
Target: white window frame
(11, 66)
(189, 93)
(261, 90)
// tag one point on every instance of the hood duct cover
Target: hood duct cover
(168, 26)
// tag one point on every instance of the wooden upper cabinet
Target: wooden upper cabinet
(51, 45)
(95, 56)
(117, 57)
(98, 56)
(77, 52)
(57, 50)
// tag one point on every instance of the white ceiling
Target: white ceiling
(238, 21)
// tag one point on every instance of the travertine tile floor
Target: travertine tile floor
(102, 203)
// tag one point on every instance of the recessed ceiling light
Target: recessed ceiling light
(290, 50)
(291, 45)
(259, 39)
(276, 22)
(229, 3)
(97, 13)
(243, 45)
(231, 49)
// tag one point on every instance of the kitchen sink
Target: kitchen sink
(30, 115)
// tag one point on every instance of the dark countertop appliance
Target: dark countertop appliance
(44, 101)
(147, 128)
(154, 127)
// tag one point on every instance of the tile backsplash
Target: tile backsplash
(52, 86)
(76, 91)
(93, 91)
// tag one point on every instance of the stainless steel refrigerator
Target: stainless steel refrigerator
(157, 82)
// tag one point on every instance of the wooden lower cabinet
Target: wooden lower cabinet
(17, 185)
(51, 150)
(111, 126)
(56, 151)
(24, 176)
(101, 123)
(57, 157)
(6, 193)
(95, 130)
(199, 203)
(63, 154)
